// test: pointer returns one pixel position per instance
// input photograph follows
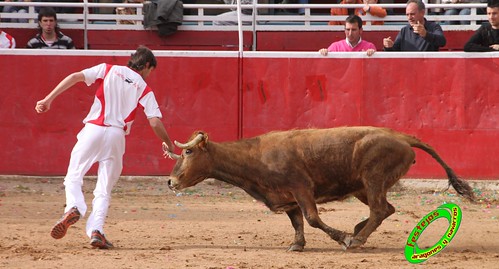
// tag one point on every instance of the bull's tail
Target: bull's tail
(458, 184)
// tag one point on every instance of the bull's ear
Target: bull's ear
(204, 143)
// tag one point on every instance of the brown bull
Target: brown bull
(292, 171)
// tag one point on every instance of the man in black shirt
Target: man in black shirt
(486, 38)
(419, 35)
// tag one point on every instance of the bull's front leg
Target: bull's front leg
(308, 207)
(296, 218)
(343, 238)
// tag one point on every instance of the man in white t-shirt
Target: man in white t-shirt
(120, 92)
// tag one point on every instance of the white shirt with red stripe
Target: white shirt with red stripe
(7, 41)
(120, 92)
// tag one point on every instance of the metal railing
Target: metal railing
(265, 17)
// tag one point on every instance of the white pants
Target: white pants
(105, 145)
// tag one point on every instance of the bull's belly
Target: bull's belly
(280, 202)
(322, 200)
(289, 205)
(336, 192)
(287, 202)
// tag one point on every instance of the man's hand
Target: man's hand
(370, 52)
(494, 47)
(323, 52)
(42, 106)
(168, 150)
(388, 42)
(419, 29)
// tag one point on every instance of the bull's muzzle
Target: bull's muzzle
(172, 184)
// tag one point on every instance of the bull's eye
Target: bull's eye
(188, 151)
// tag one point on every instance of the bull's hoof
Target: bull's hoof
(355, 243)
(295, 247)
(346, 242)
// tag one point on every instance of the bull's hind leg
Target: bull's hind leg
(381, 161)
(308, 207)
(363, 198)
(383, 210)
(296, 218)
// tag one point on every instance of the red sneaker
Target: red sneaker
(98, 240)
(61, 227)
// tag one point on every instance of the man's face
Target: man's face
(493, 15)
(48, 24)
(352, 32)
(413, 14)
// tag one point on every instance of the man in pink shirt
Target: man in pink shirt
(353, 40)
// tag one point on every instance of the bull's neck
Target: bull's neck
(236, 164)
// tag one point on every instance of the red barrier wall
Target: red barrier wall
(192, 92)
(451, 103)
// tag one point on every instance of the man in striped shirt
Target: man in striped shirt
(49, 35)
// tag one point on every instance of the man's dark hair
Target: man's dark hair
(493, 3)
(420, 4)
(354, 19)
(142, 56)
(47, 12)
(50, 13)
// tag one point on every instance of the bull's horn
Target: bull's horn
(173, 156)
(191, 143)
(169, 153)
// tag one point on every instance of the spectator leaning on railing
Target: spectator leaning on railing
(353, 40)
(486, 38)
(49, 36)
(419, 35)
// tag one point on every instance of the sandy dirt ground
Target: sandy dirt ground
(214, 225)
